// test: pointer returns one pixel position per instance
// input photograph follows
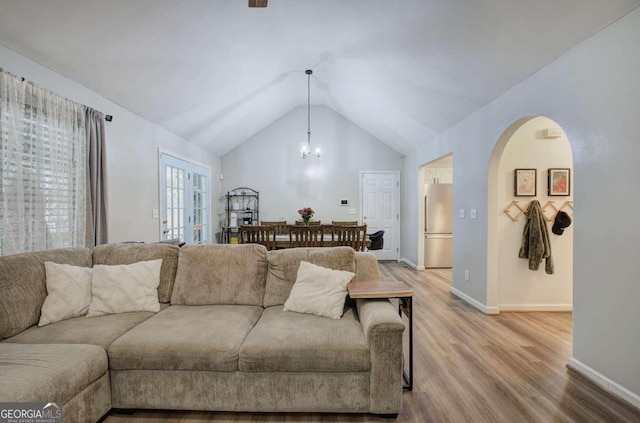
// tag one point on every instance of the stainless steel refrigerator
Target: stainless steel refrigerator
(438, 226)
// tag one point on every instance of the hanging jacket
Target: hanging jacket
(535, 239)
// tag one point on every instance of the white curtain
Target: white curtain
(43, 168)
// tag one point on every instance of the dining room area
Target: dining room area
(242, 224)
(356, 178)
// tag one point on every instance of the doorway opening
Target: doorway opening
(435, 214)
(535, 146)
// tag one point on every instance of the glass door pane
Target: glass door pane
(185, 201)
(201, 204)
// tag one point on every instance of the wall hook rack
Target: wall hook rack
(550, 205)
(521, 211)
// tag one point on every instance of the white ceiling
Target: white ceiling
(216, 72)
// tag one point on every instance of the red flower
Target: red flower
(306, 212)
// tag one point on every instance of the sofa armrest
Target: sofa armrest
(383, 327)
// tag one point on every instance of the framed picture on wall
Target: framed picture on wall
(525, 182)
(559, 182)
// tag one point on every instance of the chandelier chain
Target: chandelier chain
(306, 148)
(309, 109)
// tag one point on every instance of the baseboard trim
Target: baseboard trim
(410, 264)
(604, 382)
(475, 303)
(536, 307)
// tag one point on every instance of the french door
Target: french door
(185, 201)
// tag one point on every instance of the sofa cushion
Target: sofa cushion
(32, 373)
(125, 288)
(367, 267)
(186, 338)
(282, 268)
(100, 331)
(220, 274)
(23, 287)
(283, 341)
(68, 292)
(112, 254)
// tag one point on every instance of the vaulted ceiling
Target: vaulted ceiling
(216, 72)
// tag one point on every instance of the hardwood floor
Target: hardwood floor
(469, 367)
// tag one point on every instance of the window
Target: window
(42, 169)
(185, 202)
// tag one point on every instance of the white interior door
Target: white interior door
(380, 208)
(184, 201)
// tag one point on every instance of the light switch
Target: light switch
(461, 214)
(473, 213)
(353, 211)
(154, 213)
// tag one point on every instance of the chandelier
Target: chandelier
(306, 150)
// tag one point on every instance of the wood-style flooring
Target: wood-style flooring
(469, 367)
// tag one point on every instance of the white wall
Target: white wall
(593, 93)
(270, 162)
(521, 288)
(132, 153)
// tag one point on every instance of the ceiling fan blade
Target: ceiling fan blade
(258, 3)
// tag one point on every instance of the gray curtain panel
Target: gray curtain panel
(96, 179)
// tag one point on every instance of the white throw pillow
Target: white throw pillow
(125, 287)
(319, 290)
(68, 292)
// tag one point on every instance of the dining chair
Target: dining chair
(280, 226)
(305, 236)
(326, 231)
(350, 236)
(311, 223)
(344, 223)
(263, 235)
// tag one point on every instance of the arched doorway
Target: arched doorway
(533, 142)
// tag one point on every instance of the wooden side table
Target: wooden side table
(404, 294)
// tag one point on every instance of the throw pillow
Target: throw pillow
(68, 292)
(319, 290)
(125, 287)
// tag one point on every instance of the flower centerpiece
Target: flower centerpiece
(306, 213)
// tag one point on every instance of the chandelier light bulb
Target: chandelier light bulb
(304, 150)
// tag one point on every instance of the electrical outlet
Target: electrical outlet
(467, 275)
(461, 214)
(473, 213)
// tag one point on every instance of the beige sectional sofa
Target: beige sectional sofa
(221, 341)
